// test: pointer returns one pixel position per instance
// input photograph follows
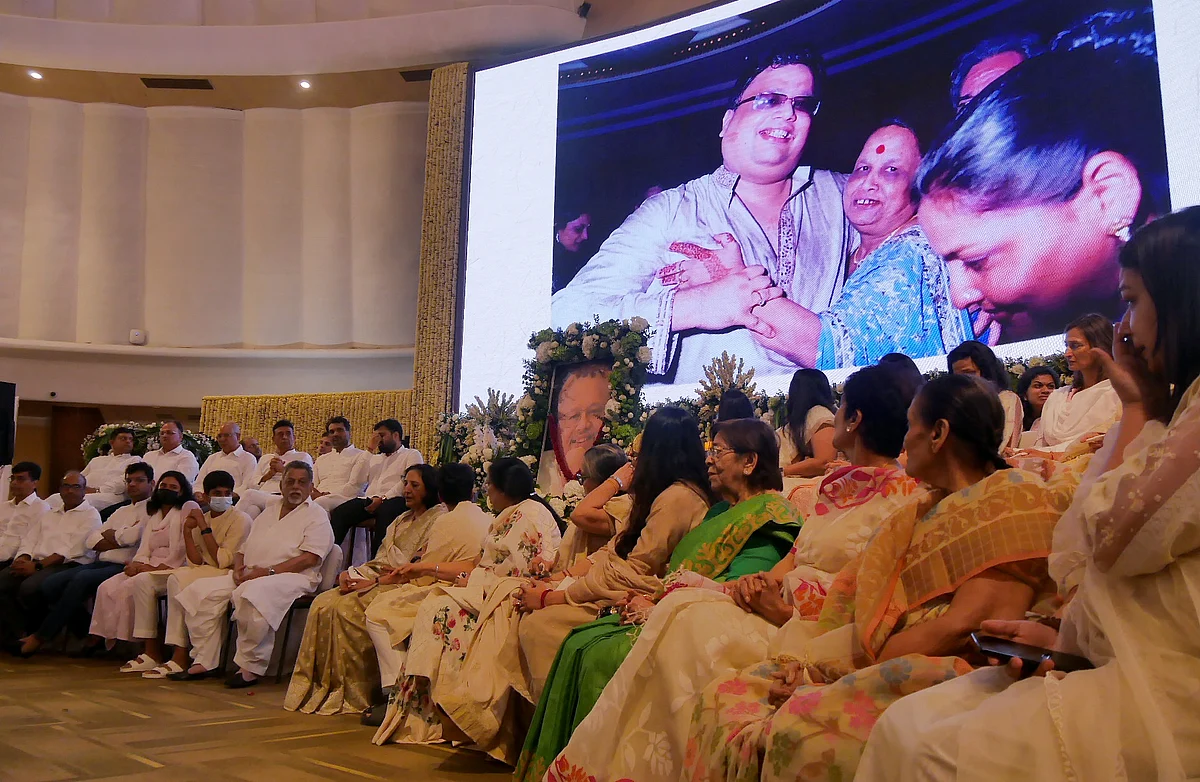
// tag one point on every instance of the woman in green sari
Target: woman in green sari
(751, 530)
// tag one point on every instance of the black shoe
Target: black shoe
(237, 682)
(184, 676)
(373, 717)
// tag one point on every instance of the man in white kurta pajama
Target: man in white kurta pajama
(279, 562)
(343, 473)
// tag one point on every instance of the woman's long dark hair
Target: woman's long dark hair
(1023, 384)
(1166, 254)
(511, 476)
(972, 409)
(671, 452)
(185, 492)
(809, 389)
(991, 368)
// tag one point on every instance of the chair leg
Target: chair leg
(287, 632)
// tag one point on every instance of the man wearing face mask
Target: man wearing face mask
(383, 502)
(211, 540)
(114, 543)
(279, 561)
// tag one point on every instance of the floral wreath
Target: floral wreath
(621, 342)
(485, 432)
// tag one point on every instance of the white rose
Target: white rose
(645, 355)
(488, 454)
(589, 345)
(543, 352)
(639, 324)
(526, 403)
(529, 460)
(618, 349)
(611, 408)
(573, 330)
(487, 467)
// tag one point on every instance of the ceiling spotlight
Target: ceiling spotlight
(305, 84)
(36, 76)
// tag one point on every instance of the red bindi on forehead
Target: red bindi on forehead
(879, 150)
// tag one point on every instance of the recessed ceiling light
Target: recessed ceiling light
(35, 75)
(305, 84)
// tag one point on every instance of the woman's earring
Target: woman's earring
(1119, 230)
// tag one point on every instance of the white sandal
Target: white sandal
(144, 662)
(163, 671)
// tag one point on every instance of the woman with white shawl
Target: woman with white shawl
(1127, 556)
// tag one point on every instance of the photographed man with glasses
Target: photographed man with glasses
(699, 261)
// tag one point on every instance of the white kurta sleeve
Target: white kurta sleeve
(76, 541)
(318, 536)
(395, 487)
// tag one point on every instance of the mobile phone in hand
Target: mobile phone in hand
(1032, 656)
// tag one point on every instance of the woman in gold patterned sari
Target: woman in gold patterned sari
(336, 667)
(898, 618)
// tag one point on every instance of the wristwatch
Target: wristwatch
(270, 571)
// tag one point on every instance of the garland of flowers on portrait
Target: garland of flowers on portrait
(145, 438)
(620, 342)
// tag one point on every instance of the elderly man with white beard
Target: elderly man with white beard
(279, 562)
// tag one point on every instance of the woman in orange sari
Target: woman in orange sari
(897, 619)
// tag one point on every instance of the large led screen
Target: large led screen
(817, 185)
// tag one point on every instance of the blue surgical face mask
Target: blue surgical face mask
(220, 504)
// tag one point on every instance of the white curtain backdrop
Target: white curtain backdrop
(208, 227)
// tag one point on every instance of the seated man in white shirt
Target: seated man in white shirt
(232, 458)
(343, 473)
(250, 445)
(22, 509)
(264, 486)
(106, 474)
(324, 445)
(171, 455)
(114, 543)
(57, 541)
(279, 562)
(383, 501)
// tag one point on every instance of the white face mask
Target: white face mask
(220, 504)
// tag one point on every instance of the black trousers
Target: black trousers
(22, 604)
(351, 513)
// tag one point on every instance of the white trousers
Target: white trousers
(203, 605)
(102, 500)
(144, 591)
(253, 502)
(391, 661)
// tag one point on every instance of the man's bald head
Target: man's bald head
(72, 489)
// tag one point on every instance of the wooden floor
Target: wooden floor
(63, 719)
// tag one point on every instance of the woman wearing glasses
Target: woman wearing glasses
(698, 261)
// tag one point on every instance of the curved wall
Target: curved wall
(207, 227)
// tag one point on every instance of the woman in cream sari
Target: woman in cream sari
(457, 536)
(748, 533)
(489, 702)
(336, 667)
(899, 616)
(1135, 613)
(670, 491)
(695, 635)
(474, 614)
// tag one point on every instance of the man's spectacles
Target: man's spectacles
(766, 101)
